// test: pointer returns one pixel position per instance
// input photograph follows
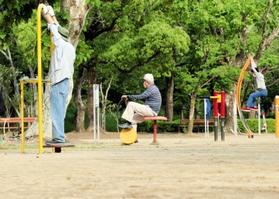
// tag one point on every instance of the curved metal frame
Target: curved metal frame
(238, 102)
(40, 82)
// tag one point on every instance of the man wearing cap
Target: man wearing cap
(135, 112)
(62, 69)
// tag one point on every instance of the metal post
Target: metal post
(276, 115)
(215, 104)
(96, 115)
(94, 122)
(40, 100)
(206, 125)
(98, 124)
(154, 132)
(223, 103)
(22, 115)
(234, 119)
(264, 123)
(259, 118)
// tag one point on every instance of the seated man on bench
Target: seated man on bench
(135, 112)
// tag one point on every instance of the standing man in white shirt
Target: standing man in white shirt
(62, 69)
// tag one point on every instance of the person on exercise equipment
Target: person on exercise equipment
(62, 69)
(135, 112)
(261, 89)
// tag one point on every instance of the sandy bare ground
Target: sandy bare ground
(181, 166)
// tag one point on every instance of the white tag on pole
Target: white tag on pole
(96, 95)
(96, 111)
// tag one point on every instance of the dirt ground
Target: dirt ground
(180, 166)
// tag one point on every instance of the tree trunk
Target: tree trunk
(104, 106)
(78, 100)
(47, 127)
(78, 10)
(90, 97)
(169, 97)
(192, 113)
(34, 107)
(229, 117)
(182, 111)
(104, 103)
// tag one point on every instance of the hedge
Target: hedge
(164, 126)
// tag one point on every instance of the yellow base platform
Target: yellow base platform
(128, 136)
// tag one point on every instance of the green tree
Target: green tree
(222, 37)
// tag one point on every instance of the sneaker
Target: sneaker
(126, 125)
(246, 109)
(53, 142)
(255, 108)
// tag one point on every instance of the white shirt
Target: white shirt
(63, 57)
(258, 76)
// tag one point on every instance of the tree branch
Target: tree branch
(215, 75)
(138, 64)
(266, 41)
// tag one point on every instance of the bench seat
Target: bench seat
(14, 120)
(197, 122)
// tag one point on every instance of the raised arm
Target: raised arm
(254, 66)
(48, 14)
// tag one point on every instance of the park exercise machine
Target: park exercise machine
(129, 136)
(238, 103)
(218, 98)
(40, 82)
(237, 98)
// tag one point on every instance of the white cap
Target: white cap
(149, 78)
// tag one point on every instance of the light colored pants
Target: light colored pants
(136, 112)
(58, 96)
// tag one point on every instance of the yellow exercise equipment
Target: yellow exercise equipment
(238, 102)
(127, 136)
(38, 81)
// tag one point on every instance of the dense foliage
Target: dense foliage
(199, 45)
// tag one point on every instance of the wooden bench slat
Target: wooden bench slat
(13, 127)
(195, 120)
(14, 120)
(197, 123)
(17, 119)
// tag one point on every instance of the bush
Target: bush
(70, 119)
(70, 124)
(165, 126)
(253, 125)
(162, 126)
(111, 123)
